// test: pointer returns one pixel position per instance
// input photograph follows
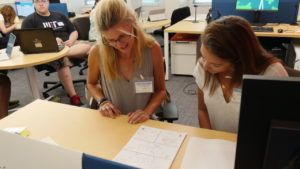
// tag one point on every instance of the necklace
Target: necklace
(225, 77)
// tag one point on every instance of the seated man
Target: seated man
(66, 34)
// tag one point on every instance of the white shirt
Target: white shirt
(225, 116)
(1, 17)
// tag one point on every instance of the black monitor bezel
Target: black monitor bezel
(263, 99)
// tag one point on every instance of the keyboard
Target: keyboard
(262, 29)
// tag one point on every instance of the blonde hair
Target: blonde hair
(8, 13)
(109, 13)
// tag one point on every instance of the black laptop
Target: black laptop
(36, 40)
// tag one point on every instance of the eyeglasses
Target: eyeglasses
(122, 38)
(41, 1)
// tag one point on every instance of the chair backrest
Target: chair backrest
(292, 72)
(82, 25)
(179, 14)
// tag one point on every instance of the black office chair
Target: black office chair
(177, 15)
(82, 25)
(56, 84)
(166, 112)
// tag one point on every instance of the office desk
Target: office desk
(19, 60)
(86, 130)
(290, 31)
(155, 24)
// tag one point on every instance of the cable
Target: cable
(189, 91)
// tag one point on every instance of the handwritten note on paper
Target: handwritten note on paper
(209, 154)
(151, 148)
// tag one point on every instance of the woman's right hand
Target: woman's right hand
(109, 110)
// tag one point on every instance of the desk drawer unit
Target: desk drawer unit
(183, 54)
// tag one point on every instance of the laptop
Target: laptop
(38, 40)
(10, 44)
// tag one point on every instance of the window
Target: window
(182, 1)
(89, 2)
(150, 2)
(201, 1)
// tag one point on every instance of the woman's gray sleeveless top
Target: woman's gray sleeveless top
(121, 92)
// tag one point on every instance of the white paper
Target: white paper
(3, 56)
(204, 153)
(15, 130)
(18, 152)
(151, 148)
(49, 140)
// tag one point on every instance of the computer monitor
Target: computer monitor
(54, 1)
(59, 7)
(24, 8)
(257, 6)
(269, 123)
(287, 11)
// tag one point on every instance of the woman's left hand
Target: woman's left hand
(138, 116)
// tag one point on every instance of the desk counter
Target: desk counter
(87, 131)
(19, 60)
(155, 24)
(289, 31)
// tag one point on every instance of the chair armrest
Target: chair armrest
(169, 112)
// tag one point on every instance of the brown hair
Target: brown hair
(8, 13)
(232, 39)
(108, 14)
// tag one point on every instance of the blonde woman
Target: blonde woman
(125, 74)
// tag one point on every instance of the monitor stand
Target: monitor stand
(195, 21)
(256, 19)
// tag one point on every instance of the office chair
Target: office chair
(56, 84)
(177, 15)
(82, 25)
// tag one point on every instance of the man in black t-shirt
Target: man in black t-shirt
(65, 34)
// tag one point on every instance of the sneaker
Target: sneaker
(75, 100)
(13, 104)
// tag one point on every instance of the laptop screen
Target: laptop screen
(10, 44)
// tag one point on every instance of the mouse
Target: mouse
(280, 30)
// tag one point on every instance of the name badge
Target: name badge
(144, 87)
(60, 24)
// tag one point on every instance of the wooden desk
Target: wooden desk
(156, 24)
(87, 131)
(290, 31)
(19, 60)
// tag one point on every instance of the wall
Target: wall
(79, 7)
(73, 5)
